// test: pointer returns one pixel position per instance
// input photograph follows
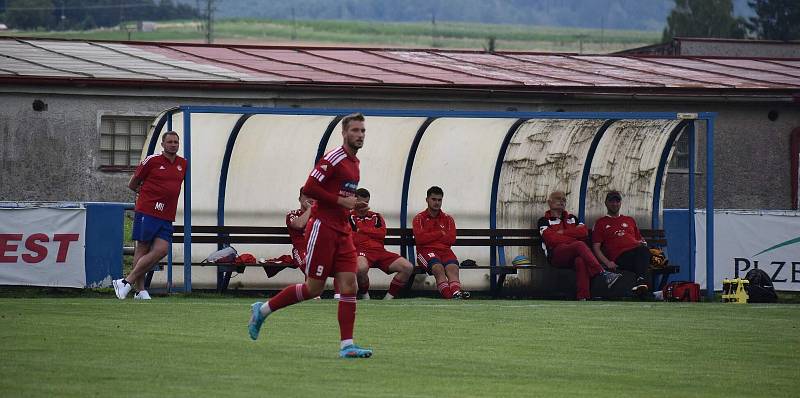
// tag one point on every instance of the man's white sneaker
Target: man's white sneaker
(143, 295)
(121, 289)
(337, 296)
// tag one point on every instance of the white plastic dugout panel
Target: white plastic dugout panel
(458, 155)
(627, 160)
(383, 161)
(271, 159)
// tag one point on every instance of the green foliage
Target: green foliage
(703, 18)
(198, 347)
(775, 19)
(29, 14)
(87, 14)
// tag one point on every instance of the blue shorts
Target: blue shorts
(147, 228)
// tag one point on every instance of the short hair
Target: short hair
(362, 192)
(434, 190)
(164, 136)
(559, 194)
(352, 117)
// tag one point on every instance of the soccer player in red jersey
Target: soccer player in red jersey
(330, 250)
(157, 180)
(369, 231)
(296, 221)
(618, 244)
(434, 234)
(563, 243)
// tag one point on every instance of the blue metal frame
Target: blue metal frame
(710, 208)
(587, 167)
(692, 238)
(408, 251)
(326, 137)
(610, 117)
(187, 203)
(662, 165)
(498, 166)
(223, 172)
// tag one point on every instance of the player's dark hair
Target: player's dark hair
(362, 193)
(164, 136)
(351, 117)
(434, 190)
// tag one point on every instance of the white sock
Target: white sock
(346, 343)
(388, 296)
(265, 310)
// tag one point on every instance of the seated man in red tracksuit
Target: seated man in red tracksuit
(369, 231)
(434, 234)
(563, 241)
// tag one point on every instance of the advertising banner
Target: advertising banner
(743, 240)
(42, 246)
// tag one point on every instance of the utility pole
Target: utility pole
(209, 21)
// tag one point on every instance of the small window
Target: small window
(680, 155)
(121, 141)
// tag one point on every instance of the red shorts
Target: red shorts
(299, 259)
(427, 257)
(379, 258)
(329, 251)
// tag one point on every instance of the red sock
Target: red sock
(396, 285)
(455, 286)
(347, 315)
(290, 295)
(444, 290)
(363, 288)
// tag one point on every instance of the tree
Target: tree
(29, 14)
(704, 18)
(775, 19)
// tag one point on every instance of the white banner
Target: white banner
(743, 240)
(42, 247)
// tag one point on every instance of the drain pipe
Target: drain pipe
(794, 160)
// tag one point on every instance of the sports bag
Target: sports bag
(760, 288)
(682, 291)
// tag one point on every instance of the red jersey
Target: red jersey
(616, 235)
(335, 175)
(428, 230)
(368, 230)
(297, 236)
(161, 186)
(549, 225)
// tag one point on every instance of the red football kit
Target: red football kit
(616, 235)
(161, 186)
(298, 239)
(330, 246)
(432, 245)
(369, 232)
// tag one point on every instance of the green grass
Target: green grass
(198, 346)
(358, 33)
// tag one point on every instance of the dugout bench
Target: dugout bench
(403, 237)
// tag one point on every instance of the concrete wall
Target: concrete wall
(53, 154)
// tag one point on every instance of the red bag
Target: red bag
(245, 258)
(682, 291)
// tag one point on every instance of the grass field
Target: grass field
(197, 346)
(360, 33)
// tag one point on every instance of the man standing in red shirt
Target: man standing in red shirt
(369, 231)
(618, 244)
(330, 250)
(563, 242)
(434, 234)
(158, 181)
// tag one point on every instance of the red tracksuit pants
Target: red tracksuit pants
(578, 256)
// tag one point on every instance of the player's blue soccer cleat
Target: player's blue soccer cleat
(256, 320)
(354, 351)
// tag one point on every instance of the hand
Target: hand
(612, 266)
(348, 203)
(560, 231)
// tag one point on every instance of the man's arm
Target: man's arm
(450, 236)
(299, 222)
(637, 234)
(313, 187)
(579, 232)
(420, 236)
(134, 184)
